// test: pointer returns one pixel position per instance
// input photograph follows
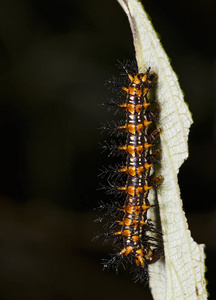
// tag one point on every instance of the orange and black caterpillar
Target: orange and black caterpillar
(127, 219)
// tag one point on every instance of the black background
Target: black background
(54, 59)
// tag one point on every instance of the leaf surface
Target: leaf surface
(180, 275)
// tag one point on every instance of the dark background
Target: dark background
(54, 59)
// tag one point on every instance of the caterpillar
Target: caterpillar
(130, 181)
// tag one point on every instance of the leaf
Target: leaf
(180, 275)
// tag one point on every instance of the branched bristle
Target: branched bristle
(110, 207)
(114, 82)
(140, 274)
(129, 67)
(114, 262)
(102, 235)
(112, 212)
(111, 172)
(112, 147)
(111, 189)
(112, 128)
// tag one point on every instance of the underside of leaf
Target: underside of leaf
(180, 274)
